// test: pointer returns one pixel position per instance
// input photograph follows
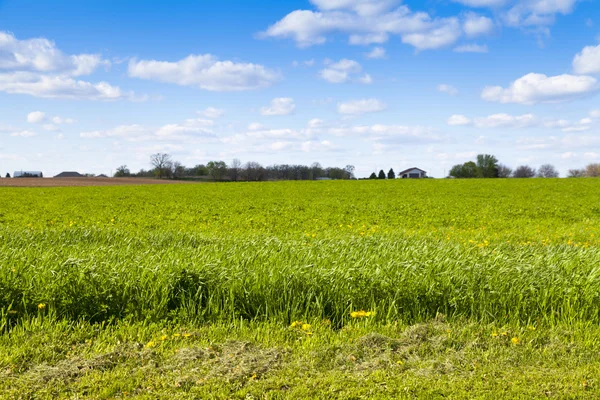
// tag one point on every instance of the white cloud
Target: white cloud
(60, 120)
(374, 21)
(24, 134)
(42, 55)
(279, 106)
(471, 48)
(343, 71)
(119, 131)
(376, 53)
(255, 126)
(365, 40)
(481, 3)
(475, 25)
(595, 113)
(366, 79)
(367, 22)
(36, 117)
(38, 68)
(503, 120)
(358, 107)
(445, 34)
(50, 127)
(537, 12)
(538, 88)
(458, 120)
(587, 61)
(315, 123)
(445, 88)
(212, 112)
(48, 86)
(206, 72)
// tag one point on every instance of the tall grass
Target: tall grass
(483, 250)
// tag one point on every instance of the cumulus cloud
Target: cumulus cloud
(343, 71)
(458, 120)
(538, 88)
(206, 72)
(536, 12)
(371, 21)
(503, 120)
(471, 48)
(358, 107)
(24, 134)
(376, 53)
(42, 55)
(587, 61)
(481, 3)
(475, 25)
(59, 87)
(279, 106)
(36, 117)
(190, 129)
(212, 112)
(38, 68)
(445, 88)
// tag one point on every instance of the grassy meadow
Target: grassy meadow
(340, 289)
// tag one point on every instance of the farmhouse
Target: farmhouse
(28, 174)
(413, 172)
(69, 174)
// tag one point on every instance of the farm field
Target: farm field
(92, 181)
(338, 289)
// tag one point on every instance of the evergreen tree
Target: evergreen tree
(373, 176)
(391, 174)
(381, 174)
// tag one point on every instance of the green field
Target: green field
(342, 289)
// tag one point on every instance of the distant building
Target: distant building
(69, 174)
(101, 176)
(413, 172)
(28, 174)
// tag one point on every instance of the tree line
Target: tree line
(487, 166)
(164, 167)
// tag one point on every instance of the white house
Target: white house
(413, 172)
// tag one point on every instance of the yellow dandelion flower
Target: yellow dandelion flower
(515, 340)
(175, 335)
(306, 327)
(187, 334)
(151, 344)
(163, 337)
(494, 334)
(531, 328)
(361, 314)
(41, 306)
(295, 324)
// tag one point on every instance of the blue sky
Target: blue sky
(93, 85)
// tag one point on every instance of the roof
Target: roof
(410, 169)
(69, 174)
(101, 176)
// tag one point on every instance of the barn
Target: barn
(413, 172)
(69, 174)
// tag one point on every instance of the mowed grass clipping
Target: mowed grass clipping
(504, 251)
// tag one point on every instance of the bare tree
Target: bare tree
(576, 173)
(504, 171)
(592, 170)
(234, 170)
(524, 171)
(254, 171)
(547, 171)
(162, 164)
